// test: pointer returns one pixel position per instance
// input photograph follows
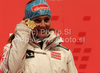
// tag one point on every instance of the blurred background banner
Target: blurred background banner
(77, 21)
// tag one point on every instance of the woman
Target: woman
(34, 47)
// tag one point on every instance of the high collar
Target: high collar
(51, 41)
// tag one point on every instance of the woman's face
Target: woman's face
(42, 25)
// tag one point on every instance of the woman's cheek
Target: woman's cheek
(48, 27)
(37, 26)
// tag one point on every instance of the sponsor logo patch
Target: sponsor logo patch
(39, 7)
(29, 54)
(55, 55)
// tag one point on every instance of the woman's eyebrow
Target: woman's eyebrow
(37, 18)
(46, 17)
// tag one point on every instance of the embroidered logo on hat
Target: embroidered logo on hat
(39, 7)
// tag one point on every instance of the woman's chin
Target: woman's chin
(41, 35)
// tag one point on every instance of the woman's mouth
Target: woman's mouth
(42, 31)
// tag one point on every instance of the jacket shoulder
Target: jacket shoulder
(7, 45)
(62, 47)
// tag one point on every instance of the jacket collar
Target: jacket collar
(51, 41)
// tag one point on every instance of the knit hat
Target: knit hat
(37, 8)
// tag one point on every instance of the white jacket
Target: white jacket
(21, 56)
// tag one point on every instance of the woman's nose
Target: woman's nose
(42, 23)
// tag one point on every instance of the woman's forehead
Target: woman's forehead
(42, 16)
